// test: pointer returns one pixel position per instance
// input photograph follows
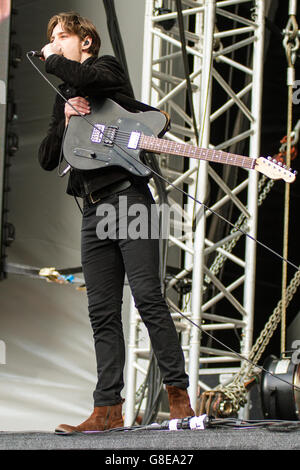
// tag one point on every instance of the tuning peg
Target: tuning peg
(295, 172)
(274, 160)
(279, 163)
(269, 158)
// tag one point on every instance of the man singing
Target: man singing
(72, 56)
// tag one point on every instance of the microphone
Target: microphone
(36, 54)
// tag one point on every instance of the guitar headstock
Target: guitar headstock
(274, 169)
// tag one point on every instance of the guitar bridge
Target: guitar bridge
(110, 135)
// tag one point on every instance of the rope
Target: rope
(286, 203)
(236, 390)
(291, 44)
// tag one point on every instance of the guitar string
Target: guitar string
(278, 255)
(241, 161)
(191, 151)
(240, 356)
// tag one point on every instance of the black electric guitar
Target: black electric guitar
(118, 137)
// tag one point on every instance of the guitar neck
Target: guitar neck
(157, 145)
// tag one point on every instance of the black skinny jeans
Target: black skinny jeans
(105, 260)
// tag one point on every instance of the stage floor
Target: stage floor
(133, 442)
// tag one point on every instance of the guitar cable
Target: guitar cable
(162, 178)
(240, 356)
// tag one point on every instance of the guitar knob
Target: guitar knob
(274, 160)
(279, 163)
(269, 158)
(295, 172)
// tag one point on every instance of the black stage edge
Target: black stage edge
(146, 443)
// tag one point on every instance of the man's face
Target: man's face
(70, 44)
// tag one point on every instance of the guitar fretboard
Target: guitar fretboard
(155, 144)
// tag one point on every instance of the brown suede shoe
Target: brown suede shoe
(102, 418)
(179, 402)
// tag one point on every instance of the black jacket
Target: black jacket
(103, 77)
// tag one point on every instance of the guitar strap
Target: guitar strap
(134, 105)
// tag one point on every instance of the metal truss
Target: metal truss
(224, 42)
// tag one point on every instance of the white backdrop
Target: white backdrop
(50, 371)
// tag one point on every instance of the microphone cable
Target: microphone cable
(240, 356)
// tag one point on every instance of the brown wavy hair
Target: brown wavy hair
(73, 23)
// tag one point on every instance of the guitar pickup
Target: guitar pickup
(134, 140)
(97, 133)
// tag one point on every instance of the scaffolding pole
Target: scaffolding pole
(214, 47)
